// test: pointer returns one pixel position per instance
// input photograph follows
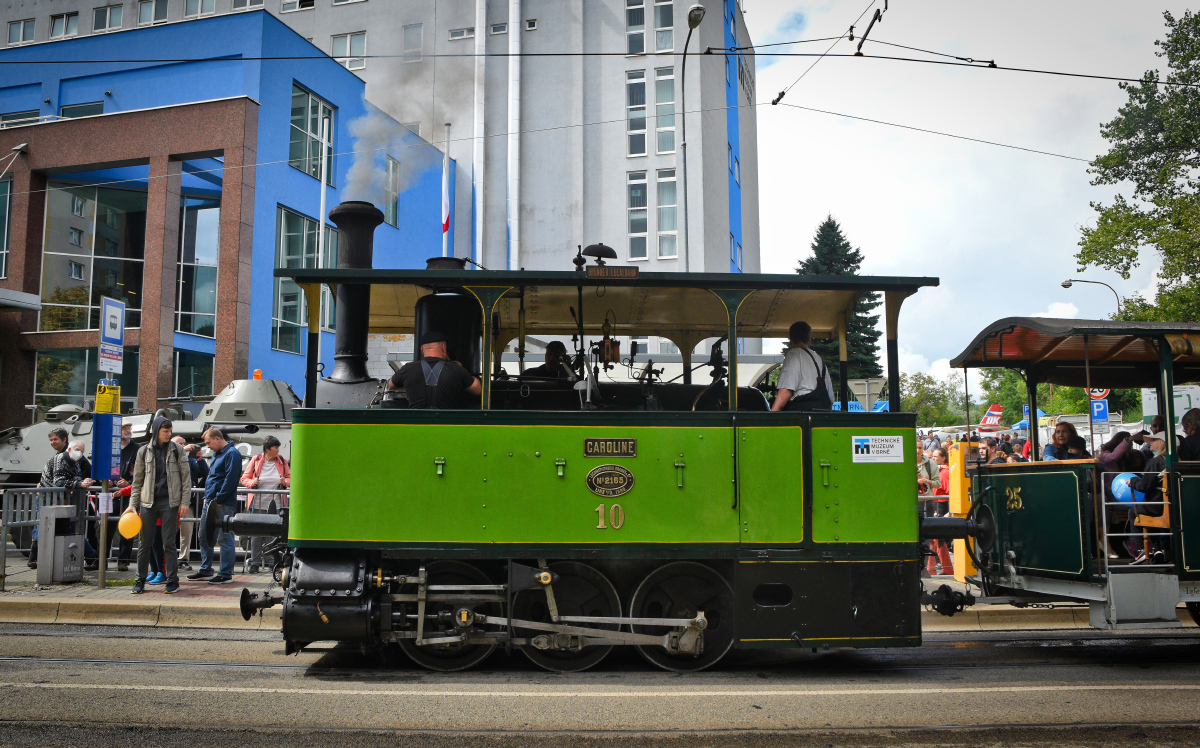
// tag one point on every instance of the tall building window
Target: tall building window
(297, 5)
(297, 248)
(668, 224)
(198, 7)
(456, 34)
(635, 103)
(104, 19)
(391, 192)
(304, 151)
(635, 27)
(82, 110)
(152, 11)
(20, 32)
(18, 118)
(68, 376)
(329, 260)
(350, 50)
(410, 37)
(737, 171)
(244, 4)
(199, 248)
(637, 215)
(66, 24)
(739, 258)
(734, 263)
(664, 25)
(499, 28)
(85, 257)
(5, 220)
(730, 150)
(193, 374)
(664, 109)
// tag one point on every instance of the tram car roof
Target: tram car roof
(1119, 354)
(671, 305)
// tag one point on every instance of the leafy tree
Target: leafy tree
(833, 255)
(1007, 388)
(1155, 144)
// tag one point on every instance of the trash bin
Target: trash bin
(60, 550)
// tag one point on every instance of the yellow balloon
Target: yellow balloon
(129, 525)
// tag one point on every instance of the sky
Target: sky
(998, 226)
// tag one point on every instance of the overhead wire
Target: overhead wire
(783, 93)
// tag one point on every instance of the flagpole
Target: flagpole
(446, 196)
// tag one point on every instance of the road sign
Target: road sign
(106, 446)
(1025, 411)
(1098, 394)
(1099, 411)
(112, 335)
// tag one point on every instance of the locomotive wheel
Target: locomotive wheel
(579, 591)
(450, 657)
(681, 590)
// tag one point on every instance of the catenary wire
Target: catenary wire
(140, 180)
(823, 54)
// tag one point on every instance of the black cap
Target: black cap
(433, 336)
(556, 346)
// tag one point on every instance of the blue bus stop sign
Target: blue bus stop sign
(106, 446)
(1099, 411)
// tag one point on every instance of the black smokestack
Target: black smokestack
(356, 222)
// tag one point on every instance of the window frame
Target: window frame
(30, 23)
(633, 178)
(463, 33)
(667, 29)
(66, 21)
(323, 106)
(633, 31)
(12, 119)
(5, 223)
(391, 191)
(308, 229)
(531, 24)
(181, 264)
(634, 78)
(200, 12)
(660, 177)
(351, 61)
(108, 14)
(62, 110)
(297, 5)
(496, 29)
(245, 5)
(175, 374)
(407, 54)
(659, 116)
(153, 5)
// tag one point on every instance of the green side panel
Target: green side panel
(771, 483)
(1039, 517)
(859, 501)
(1189, 522)
(379, 483)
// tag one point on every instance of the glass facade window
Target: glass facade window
(666, 346)
(17, 118)
(5, 223)
(82, 110)
(635, 27)
(199, 248)
(244, 4)
(296, 248)
(297, 5)
(391, 192)
(664, 25)
(68, 376)
(636, 190)
(635, 104)
(329, 260)
(21, 32)
(104, 19)
(304, 151)
(350, 50)
(193, 374)
(456, 34)
(152, 11)
(410, 37)
(93, 246)
(664, 109)
(66, 24)
(667, 205)
(198, 7)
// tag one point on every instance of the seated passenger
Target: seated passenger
(1150, 484)
(989, 452)
(1057, 448)
(556, 364)
(804, 382)
(1077, 448)
(1189, 447)
(434, 381)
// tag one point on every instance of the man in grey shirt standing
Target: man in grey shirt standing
(804, 382)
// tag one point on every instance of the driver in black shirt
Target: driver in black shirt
(556, 366)
(435, 381)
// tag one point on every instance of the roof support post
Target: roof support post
(1166, 396)
(1031, 389)
(844, 364)
(312, 300)
(732, 298)
(891, 311)
(488, 297)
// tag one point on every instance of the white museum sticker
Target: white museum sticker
(878, 448)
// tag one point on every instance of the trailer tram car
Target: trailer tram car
(566, 517)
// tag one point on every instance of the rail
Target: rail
(1145, 533)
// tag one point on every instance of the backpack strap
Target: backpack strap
(820, 368)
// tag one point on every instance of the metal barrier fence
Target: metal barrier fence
(1145, 533)
(19, 508)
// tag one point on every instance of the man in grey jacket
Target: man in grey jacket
(162, 479)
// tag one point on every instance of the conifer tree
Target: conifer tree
(833, 255)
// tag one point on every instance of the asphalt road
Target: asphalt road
(107, 686)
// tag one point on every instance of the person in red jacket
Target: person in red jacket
(941, 498)
(267, 471)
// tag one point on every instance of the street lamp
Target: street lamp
(1067, 284)
(694, 16)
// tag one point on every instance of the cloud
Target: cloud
(1059, 309)
(790, 25)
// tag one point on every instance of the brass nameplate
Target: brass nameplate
(610, 447)
(612, 271)
(610, 481)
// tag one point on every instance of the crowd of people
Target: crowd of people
(165, 481)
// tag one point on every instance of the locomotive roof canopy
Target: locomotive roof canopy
(671, 305)
(1120, 354)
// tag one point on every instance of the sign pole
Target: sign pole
(106, 442)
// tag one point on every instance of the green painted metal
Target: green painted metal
(1040, 516)
(857, 502)
(771, 483)
(378, 484)
(1189, 525)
